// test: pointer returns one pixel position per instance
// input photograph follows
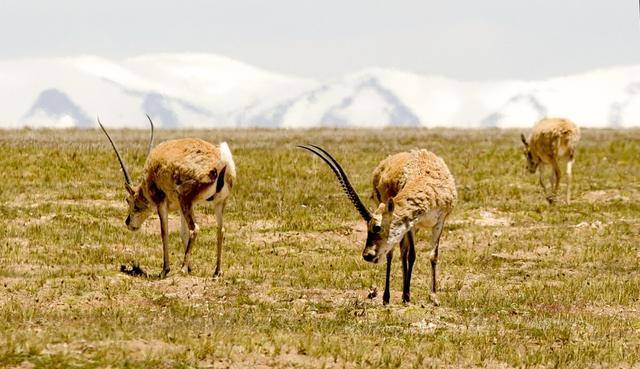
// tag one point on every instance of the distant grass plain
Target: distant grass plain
(521, 283)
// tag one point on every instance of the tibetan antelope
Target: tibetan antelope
(177, 175)
(411, 190)
(551, 140)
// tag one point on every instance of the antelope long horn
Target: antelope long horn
(351, 192)
(342, 178)
(151, 139)
(127, 178)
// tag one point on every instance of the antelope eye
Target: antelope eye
(376, 229)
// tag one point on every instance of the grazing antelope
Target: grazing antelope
(551, 140)
(177, 175)
(411, 190)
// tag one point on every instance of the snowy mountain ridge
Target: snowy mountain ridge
(206, 90)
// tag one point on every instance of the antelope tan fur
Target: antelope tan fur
(550, 140)
(411, 190)
(177, 175)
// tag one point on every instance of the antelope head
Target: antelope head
(140, 207)
(378, 221)
(532, 162)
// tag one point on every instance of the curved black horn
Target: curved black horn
(151, 139)
(351, 192)
(127, 178)
(342, 178)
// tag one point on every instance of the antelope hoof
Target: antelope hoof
(406, 299)
(385, 298)
(434, 299)
(217, 274)
(186, 269)
(163, 274)
(551, 199)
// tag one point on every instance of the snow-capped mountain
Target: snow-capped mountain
(176, 90)
(377, 97)
(203, 90)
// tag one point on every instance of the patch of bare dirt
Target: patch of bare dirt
(597, 225)
(27, 270)
(284, 357)
(624, 312)
(61, 293)
(184, 287)
(93, 203)
(466, 284)
(604, 196)
(28, 199)
(137, 349)
(152, 224)
(486, 218)
(294, 237)
(24, 270)
(431, 326)
(338, 297)
(522, 255)
(493, 218)
(34, 201)
(349, 234)
(44, 219)
(263, 225)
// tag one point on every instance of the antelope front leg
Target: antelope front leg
(164, 231)
(386, 296)
(411, 258)
(408, 258)
(435, 243)
(397, 233)
(187, 213)
(219, 211)
(541, 178)
(404, 253)
(556, 182)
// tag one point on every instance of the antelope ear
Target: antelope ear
(524, 140)
(129, 188)
(390, 205)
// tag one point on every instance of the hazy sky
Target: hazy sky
(472, 39)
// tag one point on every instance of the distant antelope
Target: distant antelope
(551, 140)
(177, 175)
(412, 190)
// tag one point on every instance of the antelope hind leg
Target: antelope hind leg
(220, 238)
(569, 178)
(556, 182)
(184, 236)
(164, 231)
(187, 213)
(435, 243)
